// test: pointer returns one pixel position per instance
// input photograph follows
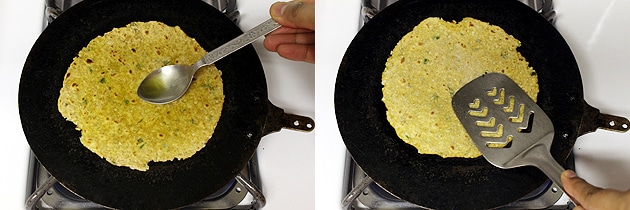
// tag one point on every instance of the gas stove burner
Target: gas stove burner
(44, 192)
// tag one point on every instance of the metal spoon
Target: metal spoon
(169, 83)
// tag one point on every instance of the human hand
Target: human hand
(295, 40)
(587, 196)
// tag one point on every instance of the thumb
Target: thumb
(575, 186)
(587, 195)
(294, 14)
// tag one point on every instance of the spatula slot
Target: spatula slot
(510, 107)
(506, 144)
(530, 124)
(501, 99)
(475, 104)
(521, 115)
(479, 113)
(492, 92)
(493, 134)
(488, 124)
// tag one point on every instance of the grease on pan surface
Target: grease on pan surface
(432, 62)
(99, 96)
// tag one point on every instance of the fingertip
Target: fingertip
(277, 9)
(268, 46)
(569, 174)
(570, 180)
(294, 14)
(270, 43)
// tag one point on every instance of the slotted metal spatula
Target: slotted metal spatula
(506, 125)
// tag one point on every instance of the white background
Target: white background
(20, 25)
(596, 30)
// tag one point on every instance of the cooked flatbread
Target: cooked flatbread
(99, 96)
(432, 62)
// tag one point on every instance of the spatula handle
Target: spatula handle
(552, 169)
(538, 155)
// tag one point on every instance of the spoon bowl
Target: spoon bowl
(169, 83)
(166, 84)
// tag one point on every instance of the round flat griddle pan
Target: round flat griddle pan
(247, 114)
(454, 183)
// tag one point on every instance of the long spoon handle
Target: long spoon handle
(237, 43)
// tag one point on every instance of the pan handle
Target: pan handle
(278, 119)
(592, 119)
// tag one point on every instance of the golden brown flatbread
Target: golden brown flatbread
(99, 96)
(432, 62)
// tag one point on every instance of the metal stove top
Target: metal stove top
(241, 193)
